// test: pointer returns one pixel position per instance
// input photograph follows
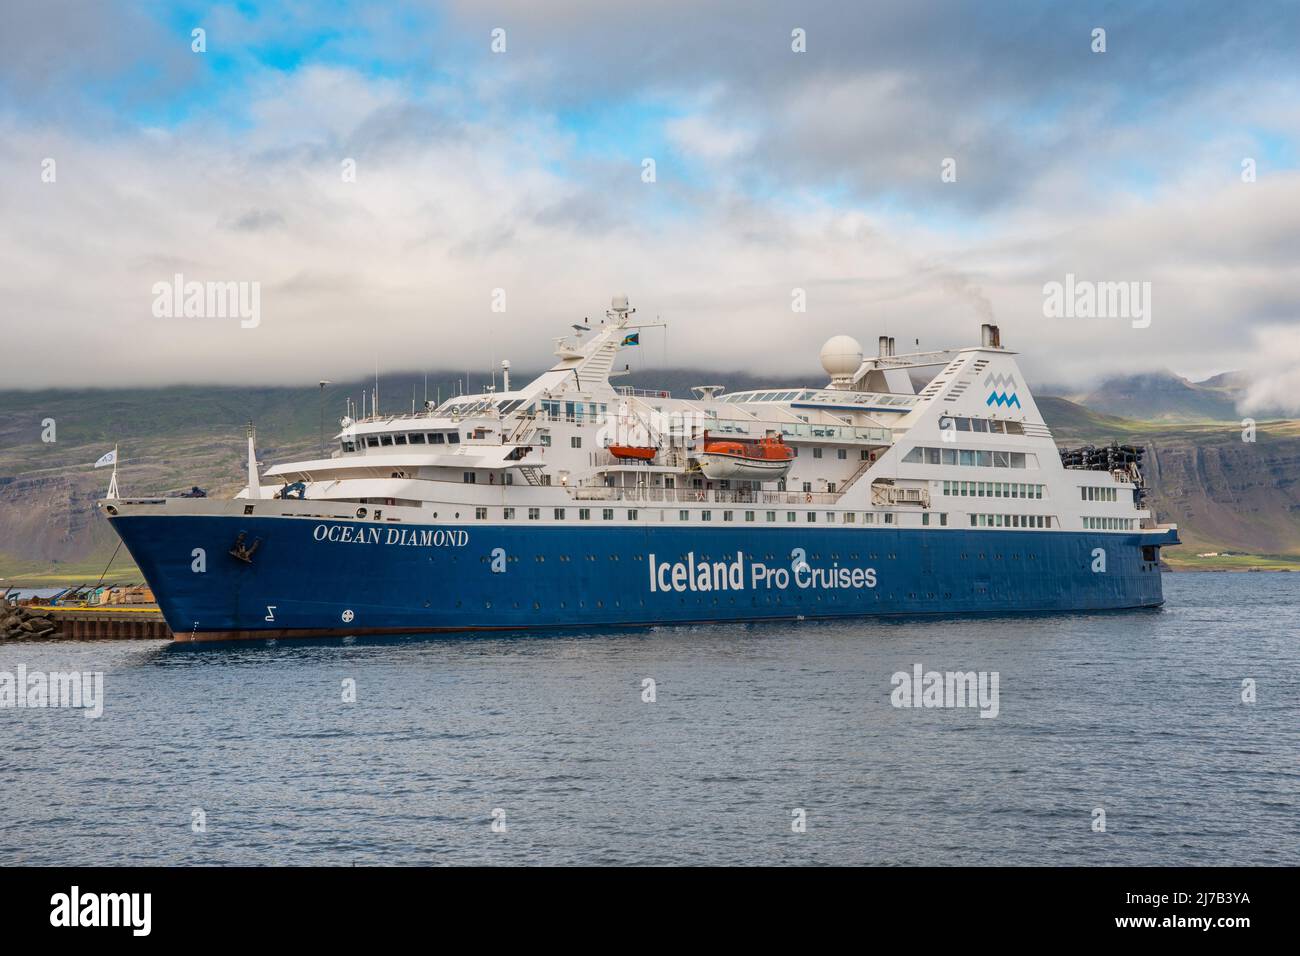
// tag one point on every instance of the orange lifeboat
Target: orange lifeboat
(761, 459)
(633, 452)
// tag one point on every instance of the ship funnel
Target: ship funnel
(886, 346)
(990, 337)
(505, 375)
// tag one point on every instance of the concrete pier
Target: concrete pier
(103, 623)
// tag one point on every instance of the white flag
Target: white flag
(108, 459)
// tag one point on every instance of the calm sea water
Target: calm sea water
(1139, 714)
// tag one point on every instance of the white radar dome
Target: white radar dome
(841, 356)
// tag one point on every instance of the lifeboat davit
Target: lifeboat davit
(633, 452)
(761, 459)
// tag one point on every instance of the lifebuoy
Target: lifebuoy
(807, 499)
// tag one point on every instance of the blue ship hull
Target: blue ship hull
(310, 577)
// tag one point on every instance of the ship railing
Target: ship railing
(702, 496)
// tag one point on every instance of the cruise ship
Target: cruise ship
(907, 484)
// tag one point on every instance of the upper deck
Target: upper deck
(968, 449)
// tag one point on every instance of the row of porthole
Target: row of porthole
(767, 599)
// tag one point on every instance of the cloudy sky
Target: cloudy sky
(524, 170)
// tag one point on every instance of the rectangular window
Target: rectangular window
(979, 425)
(868, 518)
(789, 516)
(830, 517)
(925, 518)
(683, 515)
(812, 517)
(607, 514)
(850, 517)
(749, 516)
(889, 517)
(706, 515)
(985, 459)
(932, 456)
(467, 477)
(631, 514)
(453, 438)
(841, 453)
(727, 515)
(509, 514)
(534, 514)
(480, 514)
(417, 438)
(967, 457)
(584, 514)
(386, 440)
(575, 441)
(771, 516)
(972, 521)
(817, 452)
(559, 514)
(399, 439)
(943, 518)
